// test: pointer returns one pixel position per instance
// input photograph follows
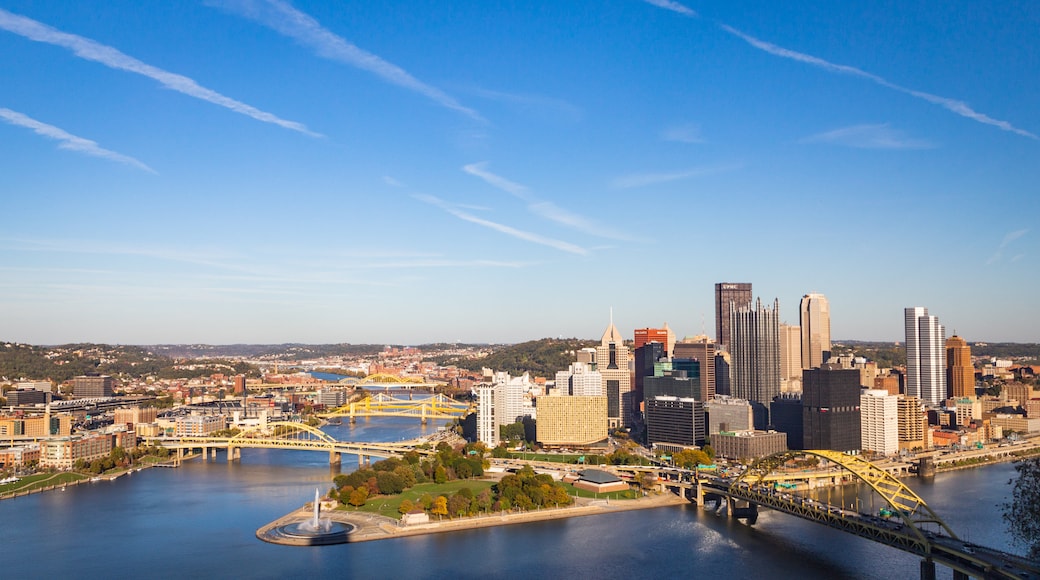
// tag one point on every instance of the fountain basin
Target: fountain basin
(304, 533)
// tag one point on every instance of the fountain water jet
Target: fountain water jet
(312, 532)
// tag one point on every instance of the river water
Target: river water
(199, 520)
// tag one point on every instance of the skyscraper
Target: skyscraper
(612, 364)
(960, 373)
(727, 293)
(816, 329)
(831, 409)
(700, 348)
(756, 356)
(791, 358)
(664, 335)
(925, 356)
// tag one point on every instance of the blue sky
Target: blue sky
(264, 171)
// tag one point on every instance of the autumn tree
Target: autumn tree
(359, 496)
(405, 507)
(440, 506)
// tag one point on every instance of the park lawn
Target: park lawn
(31, 482)
(627, 494)
(387, 505)
(549, 457)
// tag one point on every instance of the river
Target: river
(199, 520)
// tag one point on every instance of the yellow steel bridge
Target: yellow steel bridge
(436, 408)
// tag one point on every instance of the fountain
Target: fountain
(312, 532)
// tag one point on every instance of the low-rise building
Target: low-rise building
(199, 425)
(572, 421)
(748, 445)
(19, 456)
(64, 452)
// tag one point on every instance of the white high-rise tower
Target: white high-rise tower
(925, 356)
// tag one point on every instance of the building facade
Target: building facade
(572, 421)
(831, 409)
(92, 386)
(960, 373)
(678, 420)
(726, 295)
(612, 363)
(755, 348)
(925, 356)
(663, 335)
(729, 414)
(747, 445)
(879, 419)
(701, 349)
(815, 321)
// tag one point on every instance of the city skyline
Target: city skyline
(265, 172)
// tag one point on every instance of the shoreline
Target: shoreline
(371, 527)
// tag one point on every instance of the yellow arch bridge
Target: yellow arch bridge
(436, 408)
(288, 435)
(904, 522)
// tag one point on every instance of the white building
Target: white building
(925, 356)
(580, 380)
(502, 402)
(879, 421)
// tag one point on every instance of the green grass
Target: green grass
(387, 505)
(31, 482)
(627, 494)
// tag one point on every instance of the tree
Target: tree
(359, 496)
(1022, 513)
(440, 475)
(405, 507)
(440, 506)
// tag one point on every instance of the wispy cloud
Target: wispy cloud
(529, 101)
(287, 20)
(1008, 239)
(683, 134)
(502, 228)
(392, 182)
(67, 140)
(645, 179)
(545, 209)
(959, 107)
(868, 137)
(673, 6)
(108, 56)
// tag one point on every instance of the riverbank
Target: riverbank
(369, 527)
(67, 478)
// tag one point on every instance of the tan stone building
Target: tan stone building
(960, 373)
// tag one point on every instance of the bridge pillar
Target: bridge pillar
(927, 569)
(230, 454)
(213, 452)
(335, 458)
(699, 491)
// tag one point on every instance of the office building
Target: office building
(199, 425)
(728, 414)
(580, 380)
(755, 348)
(239, 385)
(92, 386)
(913, 423)
(746, 446)
(663, 335)
(332, 398)
(790, 359)
(676, 420)
(785, 415)
(502, 402)
(815, 320)
(27, 397)
(674, 383)
(128, 416)
(728, 294)
(879, 420)
(646, 357)
(63, 453)
(723, 381)
(925, 356)
(574, 422)
(612, 363)
(701, 349)
(960, 373)
(831, 409)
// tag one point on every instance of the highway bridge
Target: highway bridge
(909, 524)
(288, 435)
(433, 408)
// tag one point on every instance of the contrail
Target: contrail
(959, 107)
(287, 20)
(108, 56)
(68, 140)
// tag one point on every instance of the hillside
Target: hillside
(541, 358)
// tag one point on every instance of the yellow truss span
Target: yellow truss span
(903, 501)
(382, 405)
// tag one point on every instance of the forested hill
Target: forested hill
(541, 358)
